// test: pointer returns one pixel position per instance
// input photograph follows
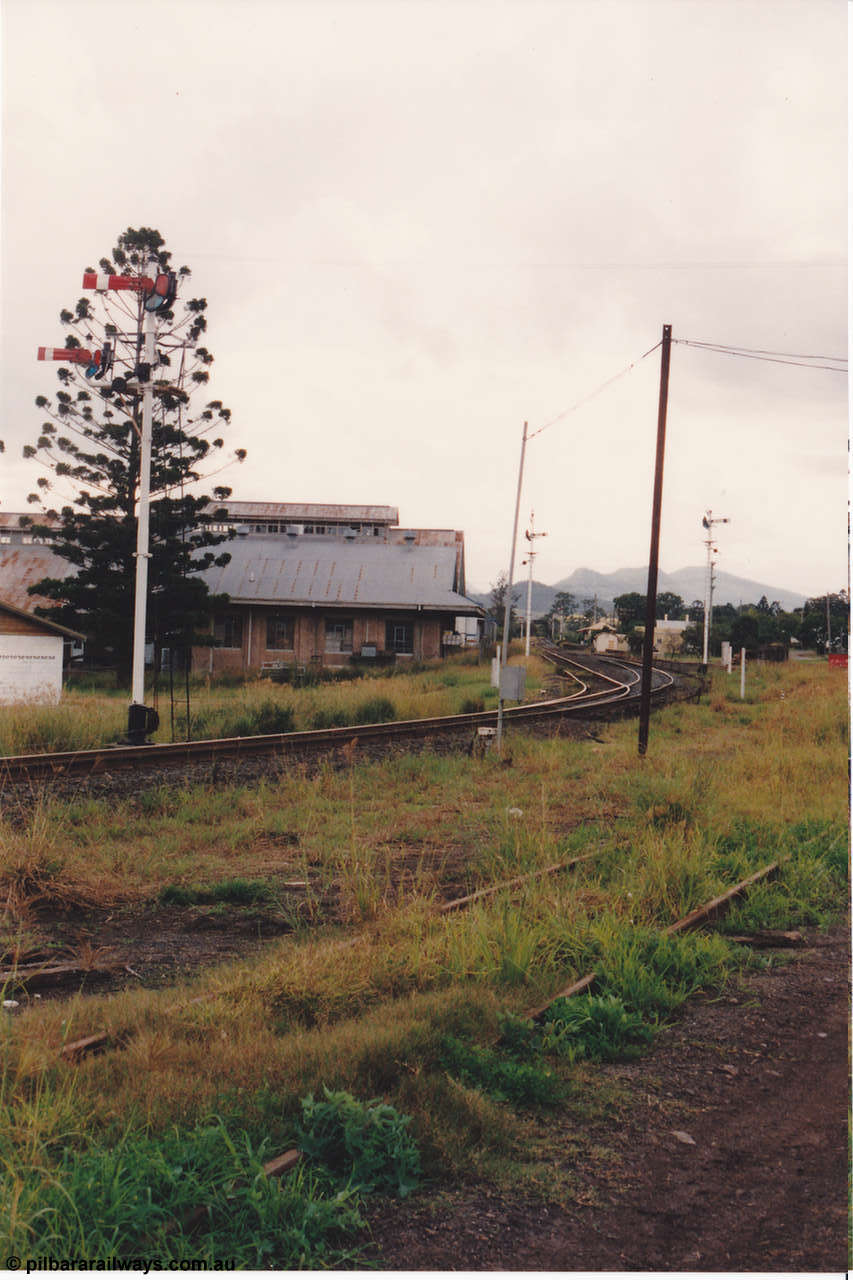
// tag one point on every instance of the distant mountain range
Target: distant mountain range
(688, 583)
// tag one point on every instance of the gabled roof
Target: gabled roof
(316, 571)
(44, 623)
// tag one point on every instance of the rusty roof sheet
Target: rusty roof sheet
(23, 565)
(360, 574)
(12, 519)
(297, 512)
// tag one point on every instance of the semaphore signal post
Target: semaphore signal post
(157, 294)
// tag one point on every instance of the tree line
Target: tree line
(821, 624)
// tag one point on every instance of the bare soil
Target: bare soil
(729, 1152)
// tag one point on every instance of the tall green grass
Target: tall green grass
(91, 716)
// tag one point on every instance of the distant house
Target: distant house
(669, 635)
(608, 640)
(32, 655)
(605, 638)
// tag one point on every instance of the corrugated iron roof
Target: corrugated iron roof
(12, 519)
(354, 574)
(297, 512)
(21, 566)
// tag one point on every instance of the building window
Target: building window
(399, 637)
(339, 635)
(279, 632)
(228, 630)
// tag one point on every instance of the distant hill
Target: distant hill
(689, 583)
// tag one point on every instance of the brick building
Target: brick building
(328, 584)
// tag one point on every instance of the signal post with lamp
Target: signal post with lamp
(158, 295)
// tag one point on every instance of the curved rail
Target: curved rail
(310, 741)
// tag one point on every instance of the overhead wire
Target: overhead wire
(592, 394)
(838, 365)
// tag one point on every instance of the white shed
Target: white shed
(31, 653)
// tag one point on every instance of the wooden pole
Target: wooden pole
(652, 588)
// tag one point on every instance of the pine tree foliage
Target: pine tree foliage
(89, 446)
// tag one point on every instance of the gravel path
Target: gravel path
(730, 1155)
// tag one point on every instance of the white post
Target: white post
(142, 553)
(508, 600)
(706, 626)
(710, 615)
(743, 673)
(531, 556)
(708, 522)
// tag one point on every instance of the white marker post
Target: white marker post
(743, 673)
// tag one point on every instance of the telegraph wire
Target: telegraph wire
(768, 357)
(585, 400)
(758, 351)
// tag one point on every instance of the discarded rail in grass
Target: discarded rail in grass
(51, 974)
(620, 692)
(458, 904)
(275, 1168)
(76, 1049)
(709, 911)
(720, 905)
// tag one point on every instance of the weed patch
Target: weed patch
(138, 1195)
(652, 973)
(375, 711)
(367, 1144)
(503, 1078)
(595, 1027)
(239, 892)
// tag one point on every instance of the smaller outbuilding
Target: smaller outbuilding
(32, 656)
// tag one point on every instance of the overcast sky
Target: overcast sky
(420, 223)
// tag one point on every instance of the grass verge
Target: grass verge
(417, 1011)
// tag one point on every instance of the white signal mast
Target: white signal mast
(531, 556)
(708, 522)
(157, 294)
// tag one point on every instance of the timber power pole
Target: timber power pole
(652, 587)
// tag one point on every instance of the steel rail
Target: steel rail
(706, 914)
(119, 757)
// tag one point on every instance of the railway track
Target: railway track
(607, 686)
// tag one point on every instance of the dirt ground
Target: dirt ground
(730, 1155)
